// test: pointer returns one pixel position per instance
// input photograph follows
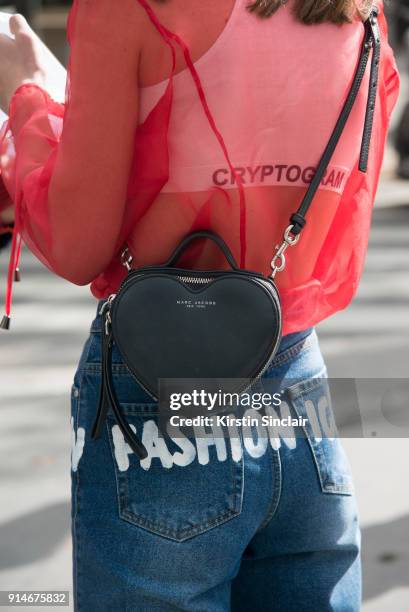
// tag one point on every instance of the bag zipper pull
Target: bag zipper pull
(107, 304)
(108, 322)
(106, 314)
(126, 259)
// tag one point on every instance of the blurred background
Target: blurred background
(38, 359)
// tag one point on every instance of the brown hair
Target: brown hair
(316, 11)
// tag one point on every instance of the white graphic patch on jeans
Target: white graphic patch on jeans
(77, 445)
(232, 439)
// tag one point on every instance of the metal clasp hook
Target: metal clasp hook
(126, 259)
(279, 261)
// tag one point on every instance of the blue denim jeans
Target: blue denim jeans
(264, 522)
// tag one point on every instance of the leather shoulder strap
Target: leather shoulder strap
(371, 41)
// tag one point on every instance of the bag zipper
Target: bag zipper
(195, 280)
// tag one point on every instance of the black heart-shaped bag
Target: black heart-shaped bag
(173, 323)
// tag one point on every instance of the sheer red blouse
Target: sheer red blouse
(108, 167)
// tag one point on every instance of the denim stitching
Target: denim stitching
(170, 534)
(75, 517)
(238, 480)
(316, 451)
(160, 529)
(341, 489)
(118, 486)
(276, 489)
(290, 352)
(305, 386)
(187, 533)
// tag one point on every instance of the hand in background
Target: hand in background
(21, 60)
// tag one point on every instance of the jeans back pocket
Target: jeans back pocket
(311, 401)
(185, 487)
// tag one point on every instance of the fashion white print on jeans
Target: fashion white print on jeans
(77, 445)
(255, 439)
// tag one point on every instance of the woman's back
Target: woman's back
(200, 24)
(230, 144)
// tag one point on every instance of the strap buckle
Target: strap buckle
(279, 261)
(126, 259)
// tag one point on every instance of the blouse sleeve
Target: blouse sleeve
(66, 166)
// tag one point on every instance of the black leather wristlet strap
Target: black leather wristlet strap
(104, 401)
(108, 398)
(371, 42)
(130, 437)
